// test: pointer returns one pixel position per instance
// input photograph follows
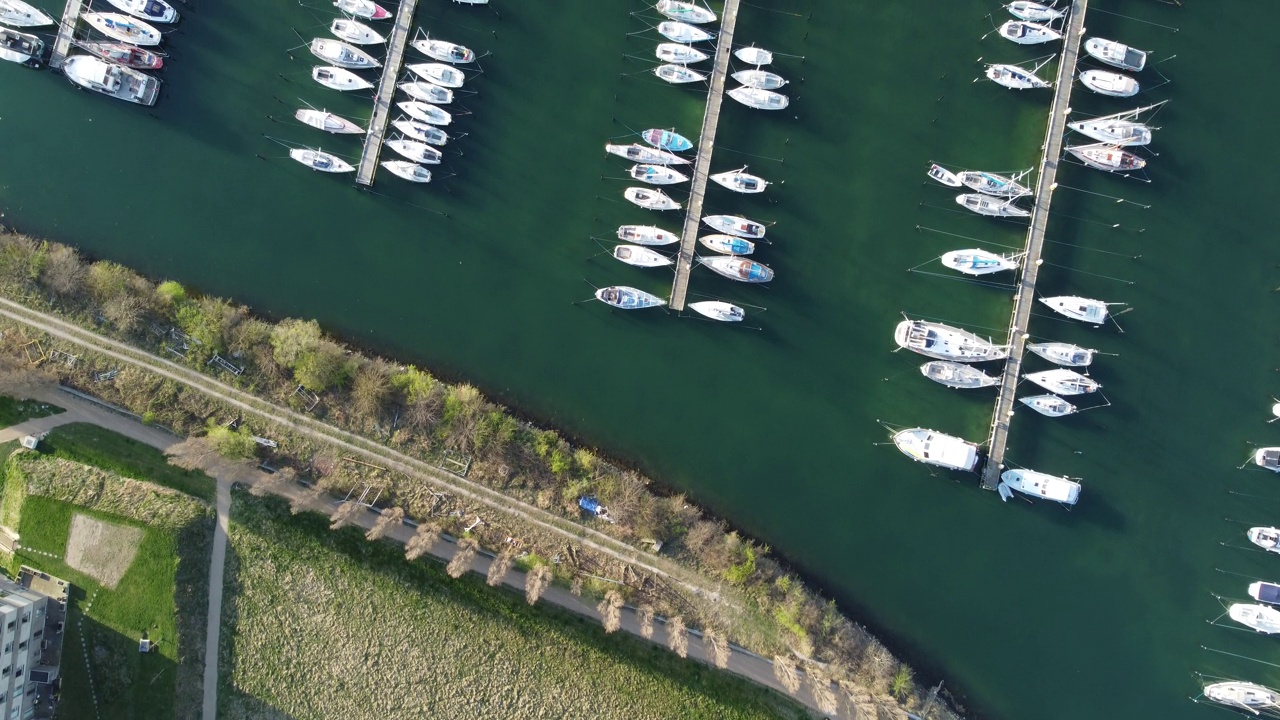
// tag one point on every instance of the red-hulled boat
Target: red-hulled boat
(124, 54)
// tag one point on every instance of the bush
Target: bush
(292, 339)
(237, 444)
(325, 366)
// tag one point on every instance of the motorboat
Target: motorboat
(444, 51)
(760, 99)
(935, 448)
(366, 9)
(741, 181)
(678, 74)
(1064, 354)
(666, 140)
(19, 47)
(1028, 33)
(636, 152)
(1267, 538)
(337, 78)
(1266, 592)
(992, 184)
(978, 262)
(735, 225)
(427, 92)
(16, 13)
(1116, 54)
(1243, 695)
(1108, 157)
(1267, 458)
(1049, 405)
(425, 112)
(1078, 308)
(321, 161)
(1110, 83)
(356, 33)
(343, 55)
(416, 150)
(738, 268)
(628, 298)
(1263, 618)
(123, 54)
(646, 235)
(650, 199)
(679, 54)
(117, 81)
(762, 79)
(640, 256)
(411, 171)
(718, 310)
(754, 55)
(686, 12)
(153, 10)
(991, 206)
(1040, 485)
(657, 174)
(1115, 129)
(957, 375)
(944, 176)
(727, 244)
(944, 342)
(1064, 382)
(1014, 77)
(327, 122)
(429, 134)
(440, 74)
(123, 28)
(680, 32)
(1033, 11)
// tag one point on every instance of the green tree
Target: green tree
(325, 366)
(292, 339)
(21, 259)
(171, 292)
(123, 296)
(414, 383)
(237, 444)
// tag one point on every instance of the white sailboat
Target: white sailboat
(427, 92)
(117, 81)
(327, 122)
(679, 54)
(429, 134)
(1116, 54)
(425, 112)
(1049, 405)
(1263, 618)
(636, 152)
(1119, 129)
(656, 174)
(944, 176)
(16, 13)
(944, 342)
(1243, 695)
(678, 74)
(686, 12)
(993, 184)
(343, 54)
(1028, 33)
(19, 47)
(1267, 458)
(1064, 354)
(1014, 77)
(978, 262)
(760, 99)
(738, 268)
(337, 78)
(762, 79)
(321, 161)
(413, 172)
(646, 235)
(123, 28)
(356, 33)
(718, 310)
(1107, 157)
(1105, 82)
(444, 51)
(640, 256)
(741, 181)
(754, 55)
(650, 199)
(628, 298)
(990, 206)
(1078, 308)
(1267, 538)
(1033, 11)
(935, 448)
(415, 150)
(438, 73)
(680, 32)
(153, 10)
(366, 9)
(736, 225)
(1064, 382)
(1041, 485)
(956, 375)
(727, 244)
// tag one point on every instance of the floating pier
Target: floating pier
(66, 32)
(702, 163)
(386, 90)
(1002, 416)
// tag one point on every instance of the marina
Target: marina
(398, 39)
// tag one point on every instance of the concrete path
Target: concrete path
(213, 629)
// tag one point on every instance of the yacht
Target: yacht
(1040, 485)
(1108, 157)
(1266, 592)
(978, 262)
(727, 244)
(1267, 458)
(365, 9)
(1064, 382)
(1014, 77)
(119, 82)
(1078, 308)
(718, 310)
(343, 55)
(666, 140)
(411, 171)
(640, 256)
(646, 235)
(427, 92)
(944, 176)
(123, 54)
(438, 73)
(1116, 54)
(1028, 33)
(739, 268)
(356, 33)
(678, 74)
(1243, 695)
(628, 298)
(735, 225)
(337, 78)
(327, 122)
(425, 112)
(760, 99)
(20, 47)
(944, 342)
(741, 181)
(1106, 82)
(636, 152)
(1049, 405)
(416, 151)
(679, 54)
(123, 28)
(444, 51)
(686, 12)
(676, 31)
(992, 184)
(1119, 129)
(16, 13)
(760, 79)
(321, 161)
(650, 199)
(1263, 618)
(153, 10)
(429, 134)
(990, 206)
(657, 174)
(1033, 11)
(1064, 354)
(935, 448)
(1267, 538)
(754, 55)
(956, 375)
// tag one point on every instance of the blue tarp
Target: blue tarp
(589, 504)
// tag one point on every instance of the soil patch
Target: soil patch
(102, 550)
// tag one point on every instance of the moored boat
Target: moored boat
(1267, 458)
(990, 206)
(327, 122)
(1064, 382)
(1105, 82)
(666, 140)
(415, 150)
(679, 54)
(1263, 618)
(123, 28)
(1266, 592)
(1118, 132)
(650, 199)
(935, 448)
(1014, 77)
(741, 181)
(656, 174)
(718, 310)
(735, 225)
(16, 13)
(321, 161)
(1049, 405)
(680, 32)
(438, 73)
(153, 10)
(944, 176)
(444, 51)
(754, 55)
(343, 54)
(1116, 54)
(354, 32)
(411, 171)
(992, 184)
(421, 131)
(123, 54)
(1041, 485)
(761, 79)
(628, 298)
(640, 256)
(685, 12)
(336, 78)
(1078, 308)
(646, 235)
(957, 375)
(977, 262)
(427, 92)
(944, 342)
(739, 268)
(1267, 538)
(678, 74)
(1028, 33)
(366, 9)
(1032, 11)
(1243, 695)
(19, 47)
(1104, 156)
(425, 112)
(1064, 354)
(117, 81)
(760, 99)
(636, 152)
(727, 244)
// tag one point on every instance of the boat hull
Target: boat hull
(650, 199)
(1064, 382)
(341, 79)
(1014, 77)
(153, 10)
(727, 244)
(760, 99)
(1105, 82)
(641, 154)
(736, 226)
(640, 256)
(977, 262)
(646, 235)
(944, 342)
(425, 132)
(440, 74)
(427, 92)
(122, 83)
(416, 151)
(754, 56)
(355, 33)
(957, 375)
(718, 310)
(320, 161)
(18, 14)
(123, 28)
(680, 32)
(741, 182)
(628, 298)
(407, 170)
(1042, 485)
(740, 269)
(938, 449)
(678, 74)
(1028, 33)
(1049, 405)
(343, 55)
(328, 122)
(1078, 308)
(425, 112)
(686, 12)
(19, 47)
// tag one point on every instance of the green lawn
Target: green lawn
(14, 411)
(319, 625)
(92, 445)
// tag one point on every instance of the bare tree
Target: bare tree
(462, 558)
(718, 647)
(784, 668)
(536, 582)
(371, 390)
(389, 518)
(644, 614)
(678, 636)
(820, 684)
(63, 271)
(343, 515)
(422, 541)
(313, 497)
(575, 587)
(499, 567)
(610, 610)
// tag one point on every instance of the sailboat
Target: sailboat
(429, 134)
(735, 225)
(1105, 82)
(123, 28)
(1108, 157)
(640, 256)
(944, 176)
(761, 79)
(327, 122)
(1117, 129)
(427, 92)
(680, 32)
(944, 342)
(993, 184)
(416, 150)
(739, 268)
(978, 262)
(343, 55)
(719, 310)
(1267, 538)
(628, 298)
(666, 140)
(1049, 405)
(1243, 695)
(444, 51)
(987, 205)
(153, 10)
(678, 74)
(356, 33)
(679, 54)
(754, 55)
(1263, 618)
(16, 13)
(646, 235)
(935, 448)
(1064, 382)
(1040, 485)
(1028, 33)
(425, 112)
(1116, 54)
(413, 172)
(321, 161)
(19, 47)
(1033, 11)
(443, 75)
(760, 99)
(636, 152)
(957, 375)
(741, 181)
(1078, 308)
(657, 174)
(337, 78)
(727, 244)
(1014, 77)
(116, 81)
(685, 12)
(365, 9)
(1064, 354)
(123, 54)
(650, 199)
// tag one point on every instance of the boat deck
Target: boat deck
(702, 164)
(1002, 416)
(397, 42)
(66, 32)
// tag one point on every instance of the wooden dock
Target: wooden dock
(66, 32)
(702, 163)
(397, 42)
(1024, 301)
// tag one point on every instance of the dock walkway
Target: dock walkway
(66, 32)
(1002, 416)
(386, 90)
(702, 164)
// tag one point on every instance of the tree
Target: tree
(415, 384)
(209, 320)
(462, 557)
(644, 614)
(63, 271)
(422, 541)
(499, 567)
(237, 444)
(678, 636)
(823, 695)
(610, 609)
(462, 409)
(389, 518)
(717, 646)
(171, 293)
(122, 295)
(291, 339)
(901, 684)
(325, 366)
(21, 260)
(536, 582)
(371, 390)
(784, 668)
(344, 514)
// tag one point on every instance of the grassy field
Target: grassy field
(92, 445)
(14, 411)
(320, 624)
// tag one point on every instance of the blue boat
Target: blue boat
(666, 140)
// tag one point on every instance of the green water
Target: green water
(1025, 611)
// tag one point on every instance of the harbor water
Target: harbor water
(1024, 610)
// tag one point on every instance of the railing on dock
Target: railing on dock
(386, 90)
(66, 32)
